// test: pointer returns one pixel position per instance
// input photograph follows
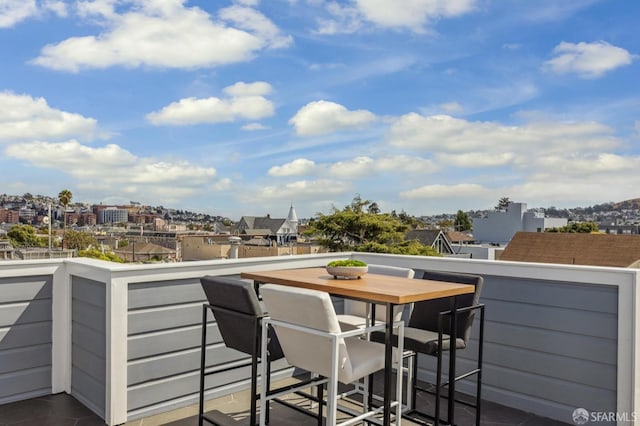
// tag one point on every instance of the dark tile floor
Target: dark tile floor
(64, 410)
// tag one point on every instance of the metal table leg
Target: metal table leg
(452, 362)
(388, 358)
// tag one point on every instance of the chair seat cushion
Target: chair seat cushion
(366, 358)
(418, 340)
(351, 322)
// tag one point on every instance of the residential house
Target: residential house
(433, 238)
(282, 231)
(574, 248)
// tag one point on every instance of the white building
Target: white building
(499, 227)
(113, 215)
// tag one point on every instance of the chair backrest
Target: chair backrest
(425, 313)
(311, 309)
(354, 307)
(237, 311)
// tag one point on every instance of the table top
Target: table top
(370, 287)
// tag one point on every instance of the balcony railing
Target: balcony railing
(124, 339)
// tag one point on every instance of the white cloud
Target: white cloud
(254, 22)
(14, 11)
(164, 34)
(356, 168)
(364, 167)
(406, 164)
(114, 169)
(222, 185)
(258, 88)
(446, 134)
(302, 190)
(352, 169)
(452, 107)
(588, 165)
(298, 167)
(23, 117)
(345, 20)
(56, 6)
(414, 15)
(243, 105)
(253, 127)
(248, 2)
(477, 159)
(445, 191)
(587, 60)
(322, 117)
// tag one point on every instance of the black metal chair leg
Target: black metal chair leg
(414, 385)
(438, 374)
(320, 399)
(479, 373)
(254, 389)
(268, 385)
(203, 352)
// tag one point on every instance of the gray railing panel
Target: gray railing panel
(178, 363)
(163, 347)
(25, 358)
(165, 293)
(153, 344)
(25, 382)
(163, 318)
(25, 337)
(88, 336)
(546, 341)
(555, 318)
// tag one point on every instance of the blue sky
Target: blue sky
(244, 107)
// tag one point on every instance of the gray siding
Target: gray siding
(546, 341)
(164, 334)
(88, 337)
(25, 337)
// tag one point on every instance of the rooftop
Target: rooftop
(574, 248)
(123, 340)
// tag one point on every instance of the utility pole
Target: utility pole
(47, 221)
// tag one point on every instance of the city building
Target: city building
(9, 216)
(500, 226)
(113, 215)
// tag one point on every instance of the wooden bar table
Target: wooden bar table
(372, 288)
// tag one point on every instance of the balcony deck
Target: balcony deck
(62, 410)
(124, 340)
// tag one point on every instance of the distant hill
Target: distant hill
(634, 203)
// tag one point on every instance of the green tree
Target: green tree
(503, 203)
(445, 223)
(25, 236)
(64, 197)
(97, 254)
(462, 221)
(79, 240)
(353, 226)
(373, 208)
(577, 228)
(411, 221)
